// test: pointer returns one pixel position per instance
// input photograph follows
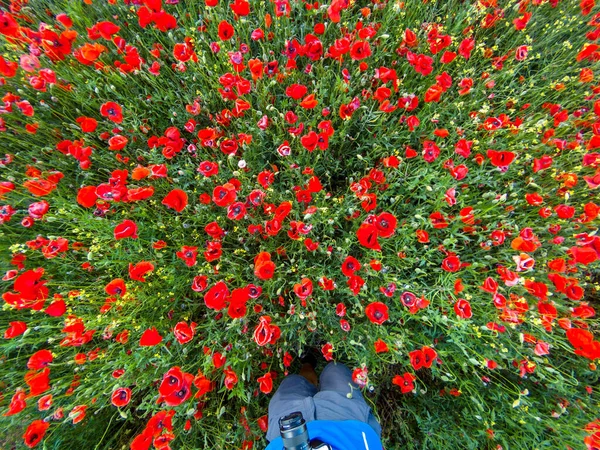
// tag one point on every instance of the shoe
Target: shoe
(310, 357)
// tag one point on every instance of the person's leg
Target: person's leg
(340, 398)
(294, 394)
(338, 378)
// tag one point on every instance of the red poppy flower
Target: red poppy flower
(385, 224)
(534, 199)
(225, 30)
(377, 312)
(38, 381)
(236, 211)
(430, 151)
(15, 329)
(310, 245)
(87, 124)
(451, 264)
(218, 360)
(296, 91)
(350, 265)
(176, 199)
(140, 270)
(237, 305)
(159, 245)
(434, 93)
(500, 158)
(121, 397)
(304, 289)
(199, 283)
(188, 255)
(39, 188)
(17, 403)
(574, 292)
(542, 163)
(327, 284)
(265, 178)
(106, 29)
(217, 296)
(283, 210)
(564, 211)
(521, 22)
(231, 378)
(224, 195)
(462, 308)
(537, 289)
(355, 283)
(45, 402)
(266, 332)
(176, 387)
(438, 220)
(422, 64)
(150, 338)
(579, 338)
(360, 50)
(116, 287)
(183, 52)
(264, 268)
(6, 187)
(284, 149)
(404, 382)
(141, 193)
(229, 146)
(360, 376)
(183, 332)
(35, 433)
(240, 7)
(10, 275)
(117, 142)
(213, 251)
(583, 255)
(429, 356)
(214, 230)
(344, 325)
(126, 229)
(309, 102)
(381, 346)
(265, 383)
(203, 384)
(465, 86)
(388, 290)
(416, 359)
(40, 359)
(38, 210)
(112, 111)
(490, 285)
(309, 141)
(263, 423)
(422, 236)
(367, 236)
(208, 168)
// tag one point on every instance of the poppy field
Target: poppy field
(193, 191)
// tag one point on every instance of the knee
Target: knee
(336, 368)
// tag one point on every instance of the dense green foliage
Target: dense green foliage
(450, 147)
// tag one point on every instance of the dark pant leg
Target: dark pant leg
(294, 394)
(340, 398)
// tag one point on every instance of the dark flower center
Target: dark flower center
(182, 393)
